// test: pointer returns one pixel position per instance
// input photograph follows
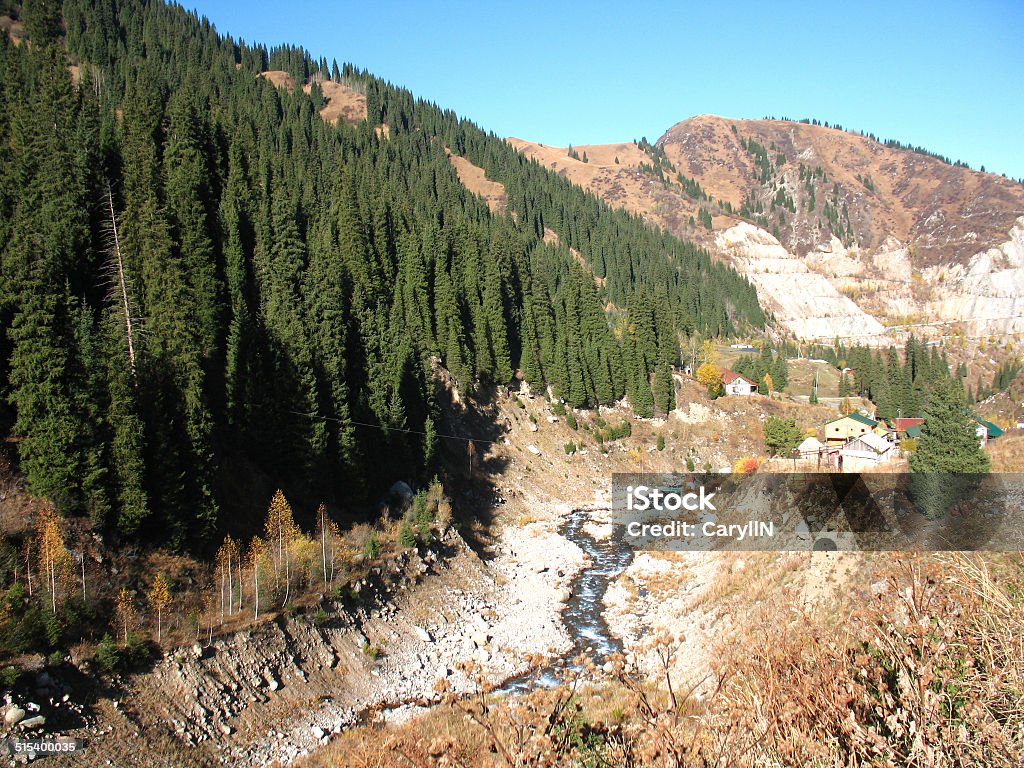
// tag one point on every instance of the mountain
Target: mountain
(229, 269)
(843, 234)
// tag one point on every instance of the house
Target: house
(737, 384)
(839, 431)
(868, 447)
(812, 449)
(987, 431)
(903, 423)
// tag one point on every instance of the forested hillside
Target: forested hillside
(205, 286)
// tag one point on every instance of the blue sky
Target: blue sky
(946, 76)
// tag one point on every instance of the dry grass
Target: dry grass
(279, 78)
(927, 672)
(474, 178)
(341, 102)
(1007, 452)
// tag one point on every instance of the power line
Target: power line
(353, 422)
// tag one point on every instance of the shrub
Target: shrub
(372, 548)
(8, 677)
(406, 538)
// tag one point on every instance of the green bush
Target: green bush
(372, 548)
(406, 537)
(661, 442)
(8, 677)
(570, 419)
(107, 657)
(110, 658)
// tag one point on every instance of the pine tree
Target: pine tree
(664, 388)
(948, 459)
(948, 442)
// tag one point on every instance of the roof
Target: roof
(993, 430)
(728, 377)
(859, 417)
(904, 422)
(810, 445)
(914, 431)
(871, 440)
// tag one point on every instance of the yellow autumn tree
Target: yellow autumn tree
(327, 533)
(55, 563)
(769, 384)
(159, 597)
(708, 353)
(280, 530)
(710, 375)
(124, 609)
(228, 557)
(253, 561)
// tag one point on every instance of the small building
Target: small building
(810, 446)
(839, 431)
(902, 423)
(987, 431)
(737, 384)
(868, 447)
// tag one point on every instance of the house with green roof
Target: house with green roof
(840, 430)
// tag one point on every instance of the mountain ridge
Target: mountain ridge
(903, 234)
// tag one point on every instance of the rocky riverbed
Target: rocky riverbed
(279, 689)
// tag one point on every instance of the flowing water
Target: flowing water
(607, 558)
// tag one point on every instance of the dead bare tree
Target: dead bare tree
(121, 282)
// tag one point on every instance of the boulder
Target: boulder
(479, 639)
(14, 715)
(422, 634)
(401, 492)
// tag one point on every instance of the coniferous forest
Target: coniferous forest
(204, 283)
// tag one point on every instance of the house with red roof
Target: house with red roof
(737, 384)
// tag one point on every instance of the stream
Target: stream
(606, 559)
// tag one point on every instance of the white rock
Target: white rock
(33, 722)
(479, 639)
(317, 731)
(533, 449)
(422, 634)
(14, 715)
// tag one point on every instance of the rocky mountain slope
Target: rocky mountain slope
(842, 234)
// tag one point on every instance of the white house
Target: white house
(868, 447)
(737, 384)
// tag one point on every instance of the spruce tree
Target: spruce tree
(947, 464)
(948, 442)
